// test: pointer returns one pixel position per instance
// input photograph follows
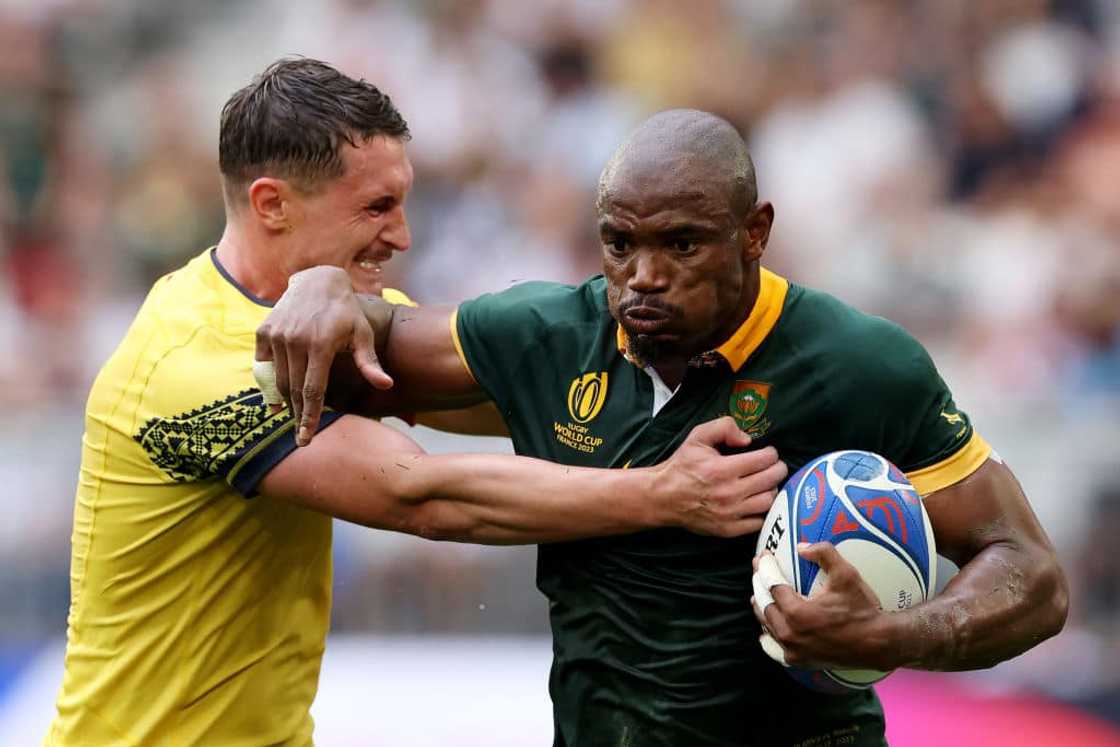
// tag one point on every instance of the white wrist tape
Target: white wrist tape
(773, 649)
(768, 575)
(265, 374)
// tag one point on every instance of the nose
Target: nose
(649, 274)
(396, 232)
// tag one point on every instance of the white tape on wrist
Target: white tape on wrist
(773, 649)
(762, 595)
(767, 576)
(265, 374)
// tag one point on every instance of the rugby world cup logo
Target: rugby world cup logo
(586, 396)
(748, 403)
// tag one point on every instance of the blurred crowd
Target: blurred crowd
(949, 164)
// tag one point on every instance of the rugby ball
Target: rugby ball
(865, 506)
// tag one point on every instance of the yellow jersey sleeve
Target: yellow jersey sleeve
(394, 296)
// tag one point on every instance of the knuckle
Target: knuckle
(795, 621)
(749, 526)
(783, 633)
(763, 501)
(312, 393)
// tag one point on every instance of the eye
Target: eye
(684, 246)
(379, 206)
(616, 245)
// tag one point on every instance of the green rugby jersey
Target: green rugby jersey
(654, 639)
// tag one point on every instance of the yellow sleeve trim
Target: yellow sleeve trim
(953, 469)
(392, 295)
(459, 345)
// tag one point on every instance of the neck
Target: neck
(672, 370)
(248, 261)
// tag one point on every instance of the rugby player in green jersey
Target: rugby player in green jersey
(655, 639)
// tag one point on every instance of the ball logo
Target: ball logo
(890, 510)
(586, 396)
(810, 493)
(774, 539)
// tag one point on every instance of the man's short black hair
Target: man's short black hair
(292, 121)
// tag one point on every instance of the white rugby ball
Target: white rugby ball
(865, 506)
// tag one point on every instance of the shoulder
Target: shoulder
(515, 335)
(538, 305)
(178, 371)
(866, 351)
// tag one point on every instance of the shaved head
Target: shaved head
(678, 144)
(682, 233)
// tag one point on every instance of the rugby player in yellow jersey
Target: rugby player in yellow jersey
(201, 567)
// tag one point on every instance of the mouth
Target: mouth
(646, 320)
(369, 263)
(646, 313)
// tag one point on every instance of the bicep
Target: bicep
(423, 356)
(348, 471)
(480, 420)
(986, 507)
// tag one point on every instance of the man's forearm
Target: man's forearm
(1002, 603)
(362, 471)
(494, 499)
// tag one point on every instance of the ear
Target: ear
(757, 230)
(270, 202)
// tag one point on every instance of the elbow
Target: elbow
(1055, 595)
(432, 521)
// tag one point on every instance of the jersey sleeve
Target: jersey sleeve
(494, 332)
(920, 427)
(200, 416)
(394, 296)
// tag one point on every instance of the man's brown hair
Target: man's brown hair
(292, 121)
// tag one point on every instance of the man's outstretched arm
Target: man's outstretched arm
(365, 472)
(320, 318)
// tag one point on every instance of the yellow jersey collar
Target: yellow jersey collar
(737, 349)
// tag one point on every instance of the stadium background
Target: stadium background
(949, 164)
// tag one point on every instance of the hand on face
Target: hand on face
(316, 318)
(838, 627)
(711, 493)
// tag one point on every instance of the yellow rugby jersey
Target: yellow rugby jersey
(197, 617)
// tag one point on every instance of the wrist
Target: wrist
(896, 644)
(379, 314)
(645, 500)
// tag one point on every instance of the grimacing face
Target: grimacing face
(677, 261)
(356, 221)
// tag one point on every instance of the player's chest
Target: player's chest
(600, 412)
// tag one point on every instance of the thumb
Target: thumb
(823, 554)
(365, 357)
(721, 431)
